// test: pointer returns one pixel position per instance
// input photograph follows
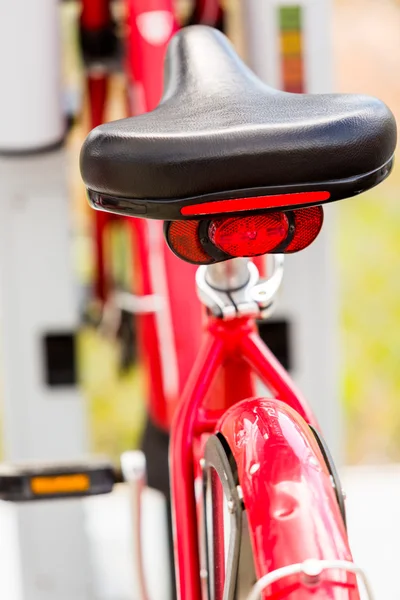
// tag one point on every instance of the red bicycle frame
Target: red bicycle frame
(235, 349)
(216, 394)
(168, 345)
(96, 16)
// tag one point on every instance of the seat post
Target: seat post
(229, 275)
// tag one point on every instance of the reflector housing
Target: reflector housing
(184, 240)
(307, 223)
(207, 241)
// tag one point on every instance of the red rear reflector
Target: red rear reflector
(308, 223)
(249, 236)
(183, 238)
(240, 204)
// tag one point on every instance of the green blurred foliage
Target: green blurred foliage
(368, 243)
(115, 400)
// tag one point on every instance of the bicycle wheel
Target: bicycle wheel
(269, 503)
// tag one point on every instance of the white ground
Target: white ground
(373, 506)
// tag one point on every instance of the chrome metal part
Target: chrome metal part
(264, 293)
(311, 570)
(133, 465)
(246, 577)
(138, 304)
(234, 288)
(229, 275)
(239, 492)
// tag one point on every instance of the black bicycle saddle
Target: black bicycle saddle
(219, 133)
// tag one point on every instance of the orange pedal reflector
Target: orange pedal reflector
(45, 481)
(61, 484)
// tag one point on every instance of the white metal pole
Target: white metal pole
(43, 412)
(30, 76)
(288, 45)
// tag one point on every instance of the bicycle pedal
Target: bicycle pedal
(24, 482)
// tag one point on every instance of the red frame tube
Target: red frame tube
(97, 91)
(95, 14)
(207, 12)
(161, 272)
(145, 55)
(182, 467)
(167, 349)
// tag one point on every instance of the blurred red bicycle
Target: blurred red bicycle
(168, 345)
(239, 170)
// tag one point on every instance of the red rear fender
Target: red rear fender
(291, 506)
